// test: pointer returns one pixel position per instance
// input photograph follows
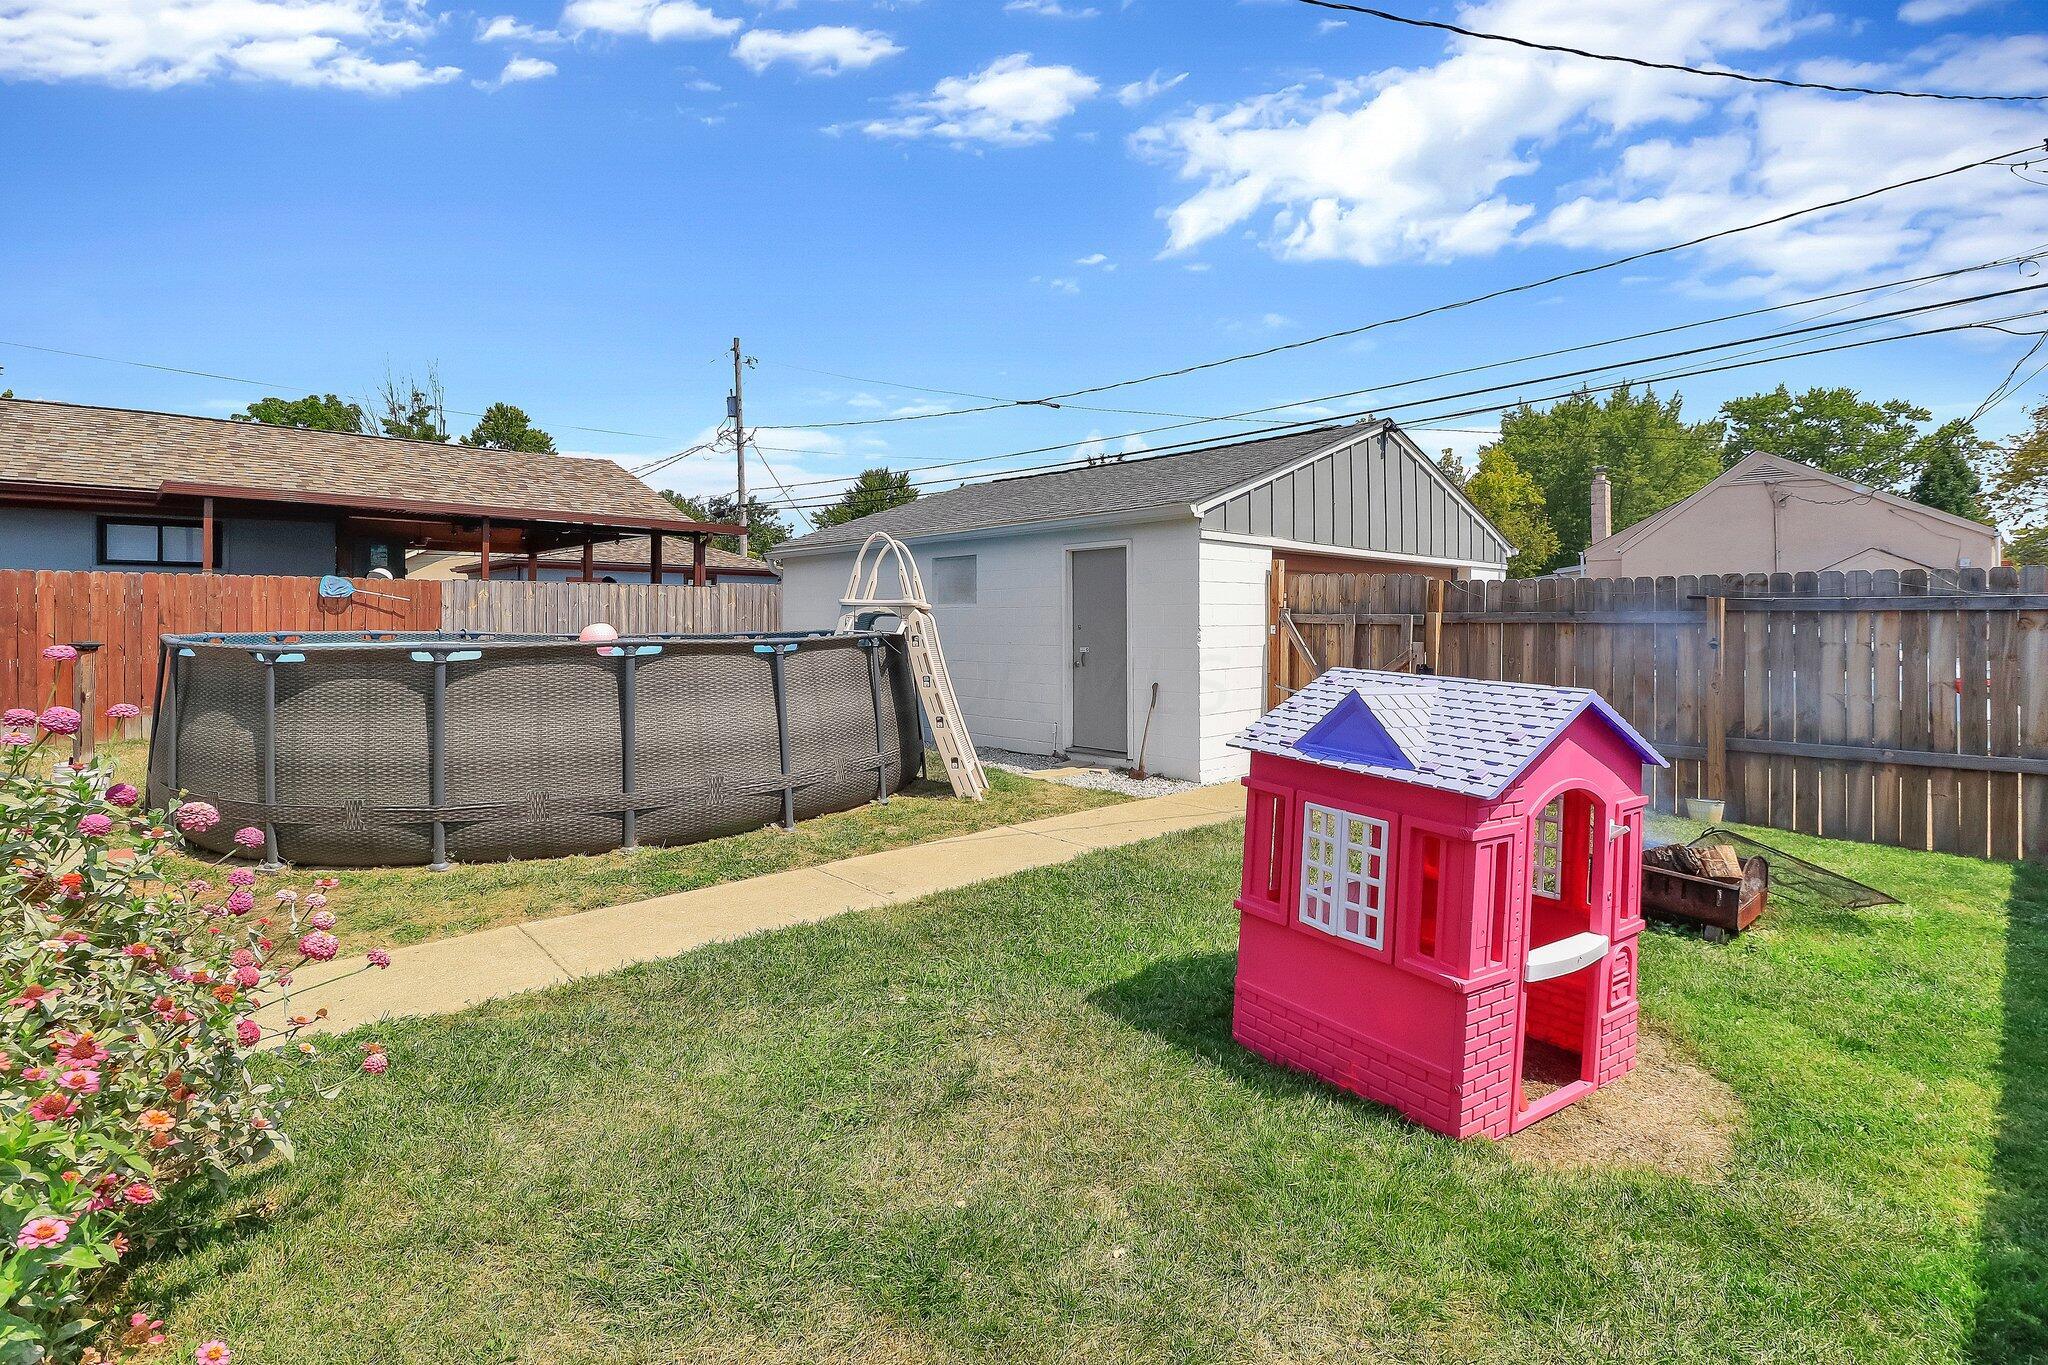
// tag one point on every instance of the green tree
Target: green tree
(505, 427)
(413, 407)
(314, 412)
(1514, 504)
(2029, 545)
(765, 526)
(1653, 459)
(1947, 478)
(1838, 430)
(1453, 468)
(876, 490)
(2017, 490)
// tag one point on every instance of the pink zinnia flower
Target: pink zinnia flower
(61, 720)
(50, 1108)
(93, 824)
(242, 876)
(248, 1032)
(123, 710)
(243, 957)
(378, 957)
(249, 837)
(123, 795)
(321, 919)
(42, 1232)
(241, 902)
(196, 817)
(213, 1353)
(248, 978)
(319, 946)
(15, 740)
(287, 896)
(17, 715)
(139, 1194)
(315, 901)
(376, 1064)
(62, 654)
(83, 1080)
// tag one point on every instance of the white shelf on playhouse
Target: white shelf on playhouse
(1565, 956)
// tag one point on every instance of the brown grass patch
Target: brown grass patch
(1669, 1114)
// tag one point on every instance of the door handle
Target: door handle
(1081, 657)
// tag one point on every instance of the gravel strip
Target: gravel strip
(1100, 779)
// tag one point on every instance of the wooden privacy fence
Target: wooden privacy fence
(126, 612)
(635, 608)
(1906, 708)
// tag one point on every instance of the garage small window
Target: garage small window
(956, 579)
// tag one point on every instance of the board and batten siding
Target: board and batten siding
(1378, 494)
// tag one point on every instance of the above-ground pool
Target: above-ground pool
(363, 750)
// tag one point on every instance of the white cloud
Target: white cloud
(1378, 169)
(517, 70)
(505, 29)
(660, 20)
(1009, 102)
(1050, 9)
(1137, 92)
(823, 51)
(1934, 11)
(1097, 259)
(155, 44)
(1058, 284)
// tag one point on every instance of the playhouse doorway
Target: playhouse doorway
(1568, 936)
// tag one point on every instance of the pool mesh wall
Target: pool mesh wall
(532, 740)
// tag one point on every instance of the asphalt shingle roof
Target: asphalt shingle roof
(677, 556)
(1119, 486)
(117, 448)
(1464, 735)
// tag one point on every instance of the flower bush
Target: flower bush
(129, 1007)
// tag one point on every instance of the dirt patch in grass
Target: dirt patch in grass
(1669, 1114)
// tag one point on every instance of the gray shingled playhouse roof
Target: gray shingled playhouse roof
(1464, 735)
(1119, 486)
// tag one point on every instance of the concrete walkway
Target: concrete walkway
(455, 973)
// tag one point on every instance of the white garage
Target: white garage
(1063, 598)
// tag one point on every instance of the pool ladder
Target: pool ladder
(921, 642)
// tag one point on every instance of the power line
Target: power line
(1337, 418)
(988, 403)
(285, 388)
(1719, 72)
(1776, 336)
(791, 502)
(1487, 297)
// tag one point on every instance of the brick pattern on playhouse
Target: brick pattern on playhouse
(1280, 1032)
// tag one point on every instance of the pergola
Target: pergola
(489, 531)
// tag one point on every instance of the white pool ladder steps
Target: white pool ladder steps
(921, 641)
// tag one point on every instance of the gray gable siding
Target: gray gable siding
(1380, 493)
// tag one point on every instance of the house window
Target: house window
(956, 579)
(127, 541)
(1344, 874)
(1547, 876)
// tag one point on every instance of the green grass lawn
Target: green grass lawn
(1008, 1124)
(392, 906)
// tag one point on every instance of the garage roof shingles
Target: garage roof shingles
(62, 443)
(1115, 486)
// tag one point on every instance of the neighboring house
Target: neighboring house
(1772, 515)
(112, 488)
(1063, 597)
(624, 561)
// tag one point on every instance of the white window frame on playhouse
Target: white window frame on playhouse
(1341, 849)
(1546, 851)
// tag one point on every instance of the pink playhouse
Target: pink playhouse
(1441, 899)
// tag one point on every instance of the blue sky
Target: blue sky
(575, 209)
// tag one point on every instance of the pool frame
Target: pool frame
(263, 732)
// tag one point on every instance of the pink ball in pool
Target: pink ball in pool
(598, 633)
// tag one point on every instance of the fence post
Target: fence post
(84, 689)
(1276, 644)
(1433, 627)
(1717, 715)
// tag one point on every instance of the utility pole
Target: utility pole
(739, 440)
